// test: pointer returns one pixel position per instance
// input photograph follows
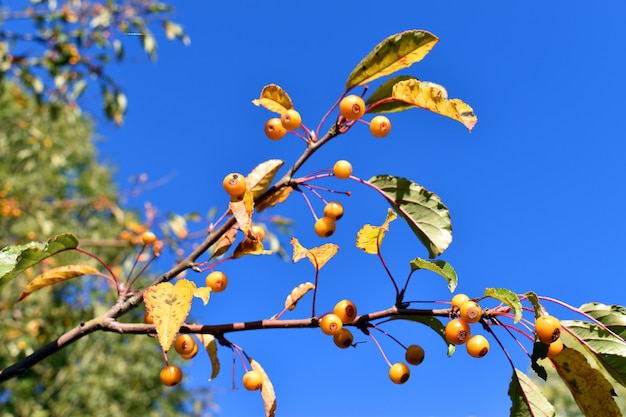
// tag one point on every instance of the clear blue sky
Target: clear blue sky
(536, 191)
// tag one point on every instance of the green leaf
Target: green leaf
(590, 389)
(527, 399)
(427, 216)
(508, 297)
(431, 322)
(385, 92)
(15, 259)
(394, 53)
(608, 350)
(438, 266)
(532, 298)
(612, 316)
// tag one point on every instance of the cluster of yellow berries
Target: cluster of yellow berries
(276, 128)
(332, 323)
(353, 107)
(457, 330)
(399, 372)
(548, 331)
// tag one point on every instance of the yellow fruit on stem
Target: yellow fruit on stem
(274, 129)
(333, 210)
(234, 184)
(471, 312)
(252, 380)
(344, 339)
(548, 329)
(345, 310)
(171, 375)
(291, 120)
(352, 107)
(399, 373)
(324, 227)
(414, 354)
(380, 126)
(477, 346)
(217, 281)
(184, 344)
(331, 324)
(342, 169)
(457, 331)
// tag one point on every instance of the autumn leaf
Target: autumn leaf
(370, 238)
(297, 293)
(208, 341)
(392, 54)
(55, 276)
(277, 196)
(262, 175)
(267, 389)
(318, 255)
(242, 210)
(202, 293)
(274, 99)
(225, 242)
(169, 305)
(250, 247)
(434, 97)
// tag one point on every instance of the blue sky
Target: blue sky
(536, 191)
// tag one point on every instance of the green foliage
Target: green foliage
(51, 182)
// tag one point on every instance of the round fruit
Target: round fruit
(548, 329)
(324, 227)
(458, 300)
(399, 373)
(344, 338)
(252, 380)
(191, 354)
(345, 310)
(235, 184)
(471, 312)
(171, 375)
(217, 281)
(457, 331)
(414, 354)
(555, 348)
(333, 210)
(477, 346)
(184, 344)
(148, 238)
(147, 318)
(259, 232)
(380, 126)
(274, 129)
(352, 107)
(342, 169)
(331, 324)
(291, 120)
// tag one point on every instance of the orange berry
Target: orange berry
(342, 169)
(252, 380)
(555, 348)
(380, 126)
(399, 373)
(148, 238)
(344, 338)
(352, 107)
(324, 227)
(471, 312)
(333, 210)
(147, 318)
(548, 329)
(184, 344)
(274, 129)
(345, 310)
(331, 324)
(217, 281)
(291, 120)
(171, 375)
(458, 300)
(191, 354)
(414, 354)
(234, 184)
(457, 331)
(477, 346)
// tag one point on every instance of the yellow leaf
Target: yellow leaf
(208, 341)
(433, 97)
(318, 255)
(370, 238)
(267, 389)
(169, 306)
(592, 392)
(250, 247)
(297, 293)
(242, 210)
(56, 275)
(203, 293)
(276, 197)
(225, 242)
(275, 99)
(261, 177)
(394, 53)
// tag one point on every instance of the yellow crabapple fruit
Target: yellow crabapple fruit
(217, 281)
(457, 331)
(345, 310)
(399, 373)
(414, 354)
(252, 380)
(274, 129)
(331, 324)
(477, 346)
(342, 169)
(235, 184)
(352, 107)
(324, 227)
(333, 210)
(380, 126)
(291, 120)
(171, 375)
(548, 329)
